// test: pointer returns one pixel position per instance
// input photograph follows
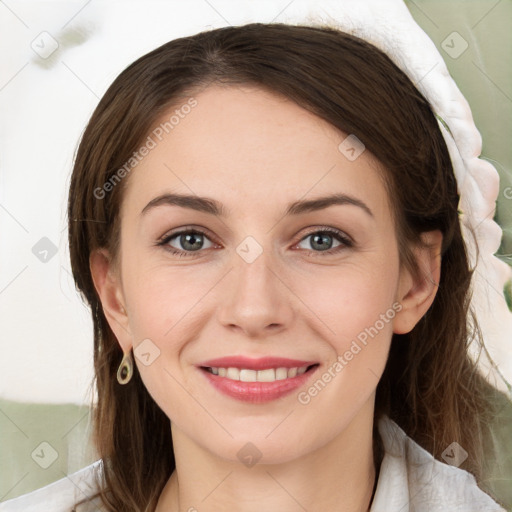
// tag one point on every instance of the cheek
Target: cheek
(163, 306)
(350, 299)
(354, 309)
(161, 298)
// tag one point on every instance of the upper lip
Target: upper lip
(251, 363)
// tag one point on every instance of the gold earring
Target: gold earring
(125, 370)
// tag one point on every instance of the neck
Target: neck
(338, 476)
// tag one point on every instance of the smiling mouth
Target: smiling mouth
(265, 375)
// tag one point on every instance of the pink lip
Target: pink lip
(256, 392)
(255, 364)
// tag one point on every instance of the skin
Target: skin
(256, 152)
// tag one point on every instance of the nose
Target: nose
(256, 300)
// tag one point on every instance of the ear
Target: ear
(417, 292)
(108, 286)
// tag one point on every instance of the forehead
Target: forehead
(247, 146)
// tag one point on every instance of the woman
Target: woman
(264, 221)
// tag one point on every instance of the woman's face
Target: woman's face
(263, 281)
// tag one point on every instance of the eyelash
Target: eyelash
(346, 242)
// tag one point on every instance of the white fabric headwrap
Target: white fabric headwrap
(389, 25)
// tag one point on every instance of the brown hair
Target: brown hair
(430, 386)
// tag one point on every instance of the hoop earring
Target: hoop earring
(125, 370)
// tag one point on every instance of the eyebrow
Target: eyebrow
(213, 207)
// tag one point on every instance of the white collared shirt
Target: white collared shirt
(410, 480)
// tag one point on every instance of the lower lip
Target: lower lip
(257, 392)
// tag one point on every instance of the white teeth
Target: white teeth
(281, 373)
(292, 372)
(233, 373)
(267, 375)
(248, 375)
